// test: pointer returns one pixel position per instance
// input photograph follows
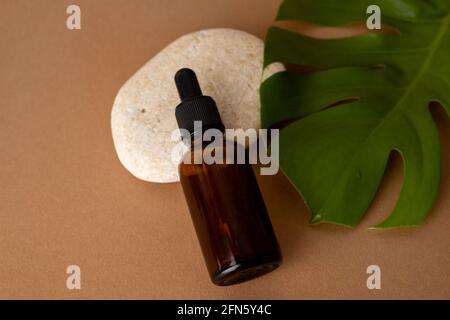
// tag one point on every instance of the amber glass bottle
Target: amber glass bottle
(226, 206)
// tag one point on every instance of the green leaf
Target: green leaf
(335, 155)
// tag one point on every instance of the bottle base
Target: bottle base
(241, 272)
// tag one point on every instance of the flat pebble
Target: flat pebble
(228, 64)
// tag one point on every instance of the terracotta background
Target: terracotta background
(65, 198)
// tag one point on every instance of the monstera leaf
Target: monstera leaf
(335, 155)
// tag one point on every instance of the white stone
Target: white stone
(228, 64)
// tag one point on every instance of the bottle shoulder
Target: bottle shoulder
(206, 157)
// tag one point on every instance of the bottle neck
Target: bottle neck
(196, 138)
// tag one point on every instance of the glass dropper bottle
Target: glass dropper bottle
(224, 200)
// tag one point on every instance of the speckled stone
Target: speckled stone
(228, 64)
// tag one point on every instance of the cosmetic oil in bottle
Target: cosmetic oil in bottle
(224, 200)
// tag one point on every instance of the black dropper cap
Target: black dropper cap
(194, 105)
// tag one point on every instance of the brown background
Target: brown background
(65, 198)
